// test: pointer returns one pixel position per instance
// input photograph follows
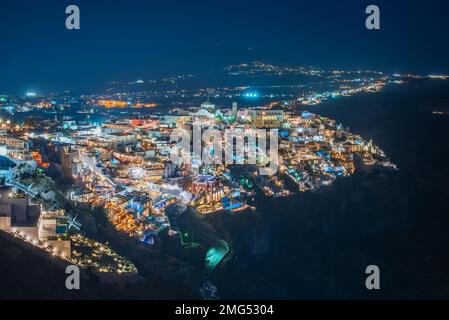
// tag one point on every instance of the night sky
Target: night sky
(127, 40)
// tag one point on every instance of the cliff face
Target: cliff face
(27, 273)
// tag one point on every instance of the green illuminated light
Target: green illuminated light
(215, 255)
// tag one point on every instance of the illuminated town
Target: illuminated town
(78, 153)
(123, 166)
(189, 151)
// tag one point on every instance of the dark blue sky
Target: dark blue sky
(124, 40)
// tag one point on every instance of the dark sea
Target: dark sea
(318, 245)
